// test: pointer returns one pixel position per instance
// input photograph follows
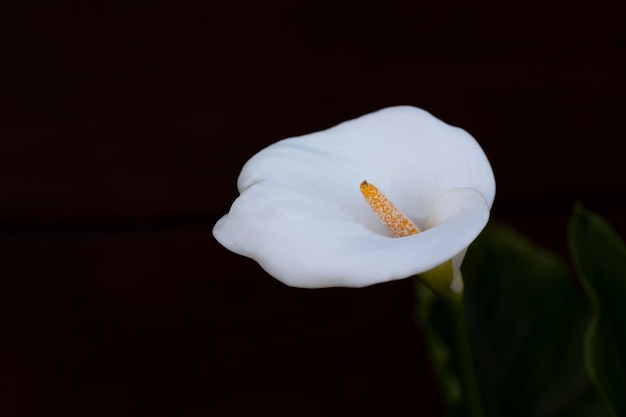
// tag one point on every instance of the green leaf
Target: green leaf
(600, 260)
(526, 319)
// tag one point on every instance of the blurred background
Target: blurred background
(123, 128)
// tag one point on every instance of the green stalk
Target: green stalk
(443, 321)
(462, 348)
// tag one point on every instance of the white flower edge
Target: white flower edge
(367, 257)
(301, 217)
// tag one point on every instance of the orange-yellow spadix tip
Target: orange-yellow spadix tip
(398, 223)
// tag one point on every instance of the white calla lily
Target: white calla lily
(301, 216)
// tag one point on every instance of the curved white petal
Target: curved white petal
(300, 213)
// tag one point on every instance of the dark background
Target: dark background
(123, 128)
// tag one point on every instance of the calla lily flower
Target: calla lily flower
(301, 216)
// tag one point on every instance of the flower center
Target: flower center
(398, 223)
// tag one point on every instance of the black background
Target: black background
(123, 127)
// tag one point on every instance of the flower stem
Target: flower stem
(471, 395)
(443, 321)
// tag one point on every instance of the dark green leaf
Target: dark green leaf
(600, 260)
(526, 318)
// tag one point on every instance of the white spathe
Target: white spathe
(300, 213)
